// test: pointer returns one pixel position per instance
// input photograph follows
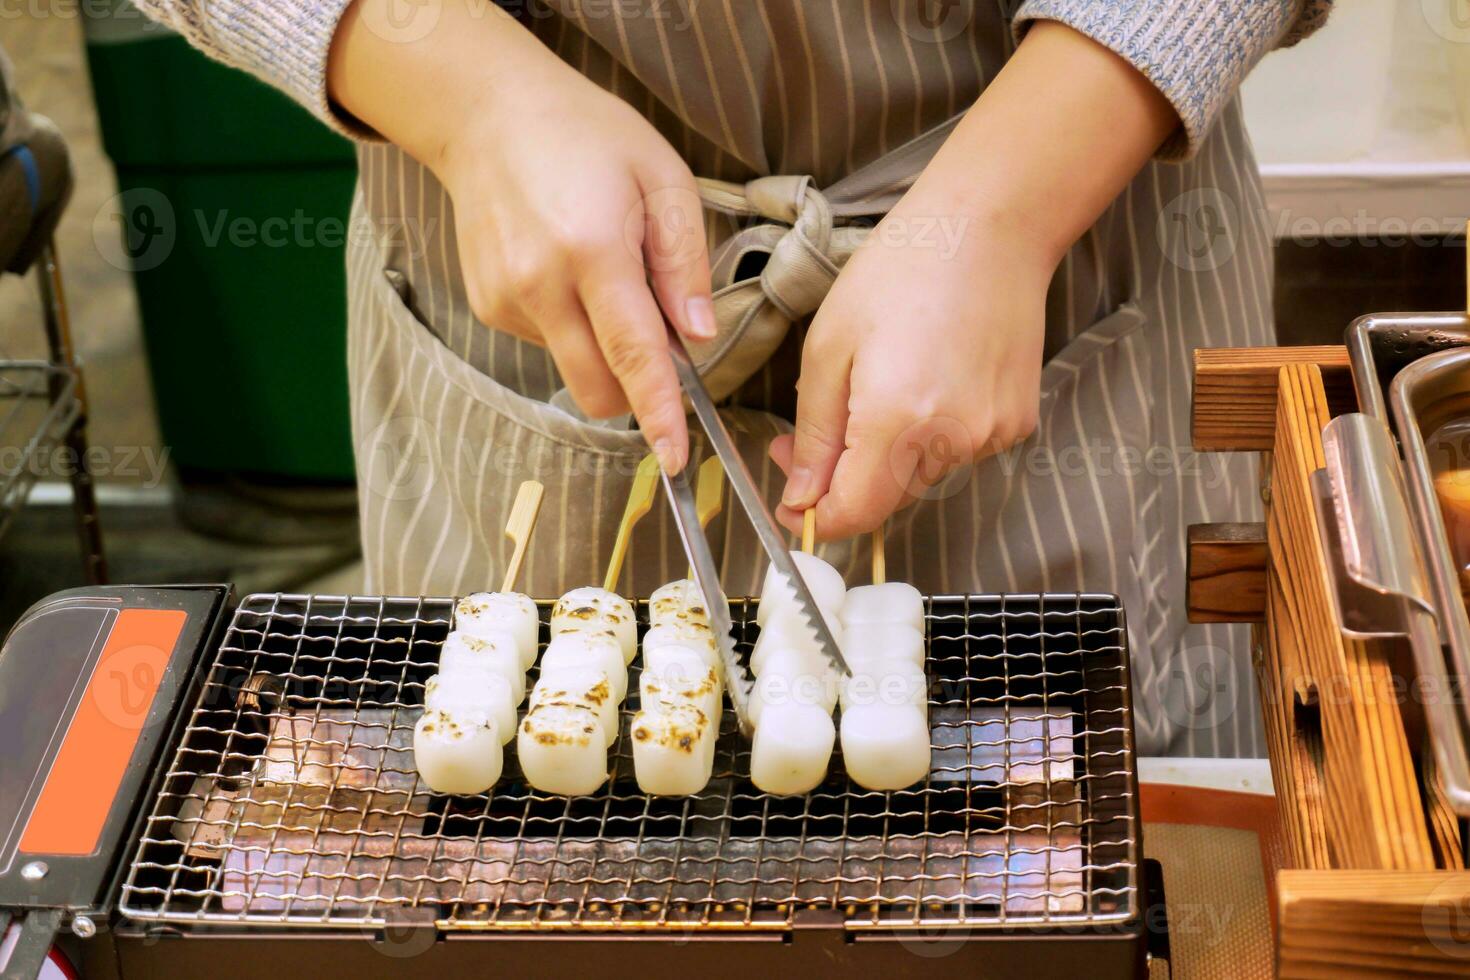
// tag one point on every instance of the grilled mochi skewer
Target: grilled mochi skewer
(795, 685)
(469, 713)
(885, 713)
(679, 695)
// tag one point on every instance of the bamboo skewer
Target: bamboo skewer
(808, 529)
(640, 501)
(518, 528)
(709, 490)
(880, 560)
(709, 495)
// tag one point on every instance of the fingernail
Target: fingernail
(798, 489)
(670, 456)
(699, 312)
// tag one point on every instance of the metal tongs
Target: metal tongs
(696, 545)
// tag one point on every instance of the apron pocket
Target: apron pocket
(541, 418)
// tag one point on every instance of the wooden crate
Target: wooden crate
(1376, 882)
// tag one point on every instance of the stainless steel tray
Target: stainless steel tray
(1421, 359)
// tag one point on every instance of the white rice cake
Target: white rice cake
(475, 694)
(886, 682)
(788, 630)
(824, 582)
(871, 642)
(562, 749)
(585, 687)
(673, 687)
(790, 677)
(885, 746)
(890, 602)
(598, 651)
(678, 602)
(495, 653)
(673, 749)
(793, 744)
(591, 609)
(460, 756)
(485, 612)
(678, 633)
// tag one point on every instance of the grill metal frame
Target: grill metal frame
(291, 801)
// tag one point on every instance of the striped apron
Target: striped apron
(449, 416)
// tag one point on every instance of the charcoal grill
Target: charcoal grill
(285, 813)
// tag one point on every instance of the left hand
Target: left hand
(925, 356)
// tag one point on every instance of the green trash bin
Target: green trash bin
(233, 207)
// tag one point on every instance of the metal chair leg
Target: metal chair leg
(84, 494)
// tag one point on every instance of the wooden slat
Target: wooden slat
(1235, 392)
(1226, 573)
(1443, 824)
(1349, 784)
(1373, 923)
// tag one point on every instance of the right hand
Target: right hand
(576, 220)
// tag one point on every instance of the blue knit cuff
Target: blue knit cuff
(1195, 53)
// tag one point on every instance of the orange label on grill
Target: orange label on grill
(72, 809)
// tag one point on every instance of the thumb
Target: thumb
(821, 421)
(675, 252)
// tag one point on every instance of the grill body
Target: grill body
(290, 828)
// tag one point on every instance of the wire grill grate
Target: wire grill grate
(292, 799)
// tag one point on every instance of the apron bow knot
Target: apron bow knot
(799, 230)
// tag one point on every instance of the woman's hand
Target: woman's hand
(926, 354)
(576, 220)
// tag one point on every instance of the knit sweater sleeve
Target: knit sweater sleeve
(1196, 52)
(282, 42)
